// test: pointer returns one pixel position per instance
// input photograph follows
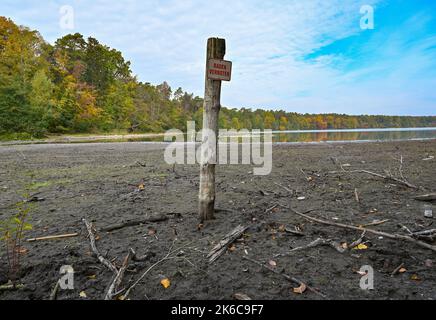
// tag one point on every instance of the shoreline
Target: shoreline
(163, 144)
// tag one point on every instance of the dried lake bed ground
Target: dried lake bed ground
(115, 182)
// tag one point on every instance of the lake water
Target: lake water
(355, 135)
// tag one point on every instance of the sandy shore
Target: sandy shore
(100, 182)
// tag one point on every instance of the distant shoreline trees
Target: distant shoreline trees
(79, 85)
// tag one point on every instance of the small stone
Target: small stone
(428, 212)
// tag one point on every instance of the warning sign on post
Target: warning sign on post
(219, 70)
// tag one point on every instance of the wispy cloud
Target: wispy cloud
(301, 55)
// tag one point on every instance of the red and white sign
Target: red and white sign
(219, 70)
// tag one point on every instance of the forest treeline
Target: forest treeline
(80, 85)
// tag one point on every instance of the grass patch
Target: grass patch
(44, 184)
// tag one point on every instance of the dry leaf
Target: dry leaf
(92, 277)
(152, 231)
(361, 247)
(301, 289)
(141, 187)
(282, 228)
(83, 294)
(232, 248)
(415, 277)
(272, 263)
(241, 296)
(166, 283)
(402, 270)
(21, 250)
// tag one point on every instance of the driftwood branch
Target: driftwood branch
(62, 236)
(426, 197)
(133, 223)
(54, 292)
(318, 242)
(287, 277)
(388, 177)
(221, 247)
(379, 233)
(104, 261)
(114, 286)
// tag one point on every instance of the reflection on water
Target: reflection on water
(356, 135)
(343, 135)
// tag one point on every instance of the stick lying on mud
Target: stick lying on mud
(62, 236)
(318, 242)
(427, 197)
(402, 181)
(133, 223)
(221, 247)
(287, 277)
(114, 286)
(10, 287)
(104, 261)
(379, 233)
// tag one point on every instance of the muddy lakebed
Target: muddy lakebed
(117, 182)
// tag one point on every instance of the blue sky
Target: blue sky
(302, 55)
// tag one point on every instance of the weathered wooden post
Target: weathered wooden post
(217, 70)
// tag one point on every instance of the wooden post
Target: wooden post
(216, 49)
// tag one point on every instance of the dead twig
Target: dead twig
(318, 242)
(222, 246)
(397, 270)
(356, 195)
(62, 236)
(114, 286)
(426, 197)
(358, 241)
(375, 223)
(379, 233)
(102, 260)
(133, 223)
(287, 277)
(54, 292)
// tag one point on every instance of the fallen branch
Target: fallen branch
(287, 277)
(221, 247)
(54, 292)
(387, 177)
(318, 242)
(397, 270)
(62, 236)
(294, 232)
(375, 223)
(114, 286)
(426, 197)
(133, 223)
(11, 287)
(358, 241)
(379, 233)
(104, 261)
